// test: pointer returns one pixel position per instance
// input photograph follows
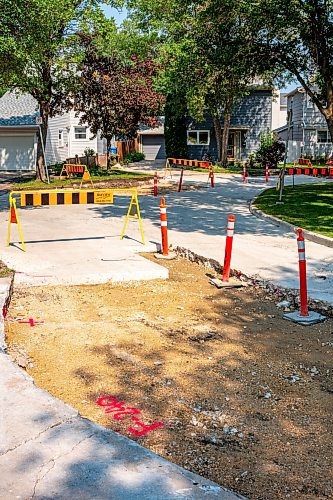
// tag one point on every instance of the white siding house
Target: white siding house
(67, 137)
(19, 131)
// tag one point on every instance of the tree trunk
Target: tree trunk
(218, 136)
(225, 135)
(108, 155)
(41, 142)
(329, 119)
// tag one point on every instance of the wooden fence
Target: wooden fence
(123, 148)
(92, 160)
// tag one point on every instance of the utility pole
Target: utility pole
(283, 171)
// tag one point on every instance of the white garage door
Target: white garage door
(17, 152)
(153, 147)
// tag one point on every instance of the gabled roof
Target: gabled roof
(17, 110)
(295, 91)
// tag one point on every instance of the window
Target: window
(198, 137)
(80, 133)
(309, 101)
(60, 138)
(323, 136)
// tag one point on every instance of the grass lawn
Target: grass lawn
(4, 270)
(309, 207)
(54, 183)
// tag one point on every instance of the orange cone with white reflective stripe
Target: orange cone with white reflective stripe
(228, 247)
(302, 273)
(303, 316)
(165, 254)
(164, 227)
(225, 282)
(211, 176)
(155, 183)
(180, 185)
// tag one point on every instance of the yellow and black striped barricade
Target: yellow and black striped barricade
(71, 197)
(70, 170)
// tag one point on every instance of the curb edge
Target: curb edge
(314, 237)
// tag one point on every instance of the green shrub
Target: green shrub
(134, 156)
(271, 150)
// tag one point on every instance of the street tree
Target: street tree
(297, 36)
(116, 94)
(203, 56)
(39, 53)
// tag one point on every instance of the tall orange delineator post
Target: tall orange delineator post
(181, 180)
(244, 173)
(303, 316)
(164, 227)
(228, 248)
(267, 176)
(302, 274)
(211, 177)
(225, 282)
(155, 183)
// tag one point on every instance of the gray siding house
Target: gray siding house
(309, 134)
(261, 110)
(252, 115)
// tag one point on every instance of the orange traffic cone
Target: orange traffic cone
(13, 218)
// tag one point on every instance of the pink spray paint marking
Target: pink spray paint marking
(145, 428)
(31, 322)
(113, 405)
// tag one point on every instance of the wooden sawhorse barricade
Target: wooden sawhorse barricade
(185, 163)
(305, 167)
(71, 169)
(71, 197)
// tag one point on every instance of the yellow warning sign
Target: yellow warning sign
(86, 176)
(103, 197)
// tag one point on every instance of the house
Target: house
(253, 114)
(279, 110)
(309, 134)
(66, 138)
(151, 141)
(19, 131)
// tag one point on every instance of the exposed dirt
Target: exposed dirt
(246, 397)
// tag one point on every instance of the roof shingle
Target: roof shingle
(18, 110)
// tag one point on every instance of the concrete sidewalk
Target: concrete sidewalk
(48, 451)
(79, 244)
(197, 221)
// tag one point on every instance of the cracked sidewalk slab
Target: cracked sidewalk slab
(27, 410)
(82, 460)
(48, 451)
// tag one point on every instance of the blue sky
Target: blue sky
(111, 12)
